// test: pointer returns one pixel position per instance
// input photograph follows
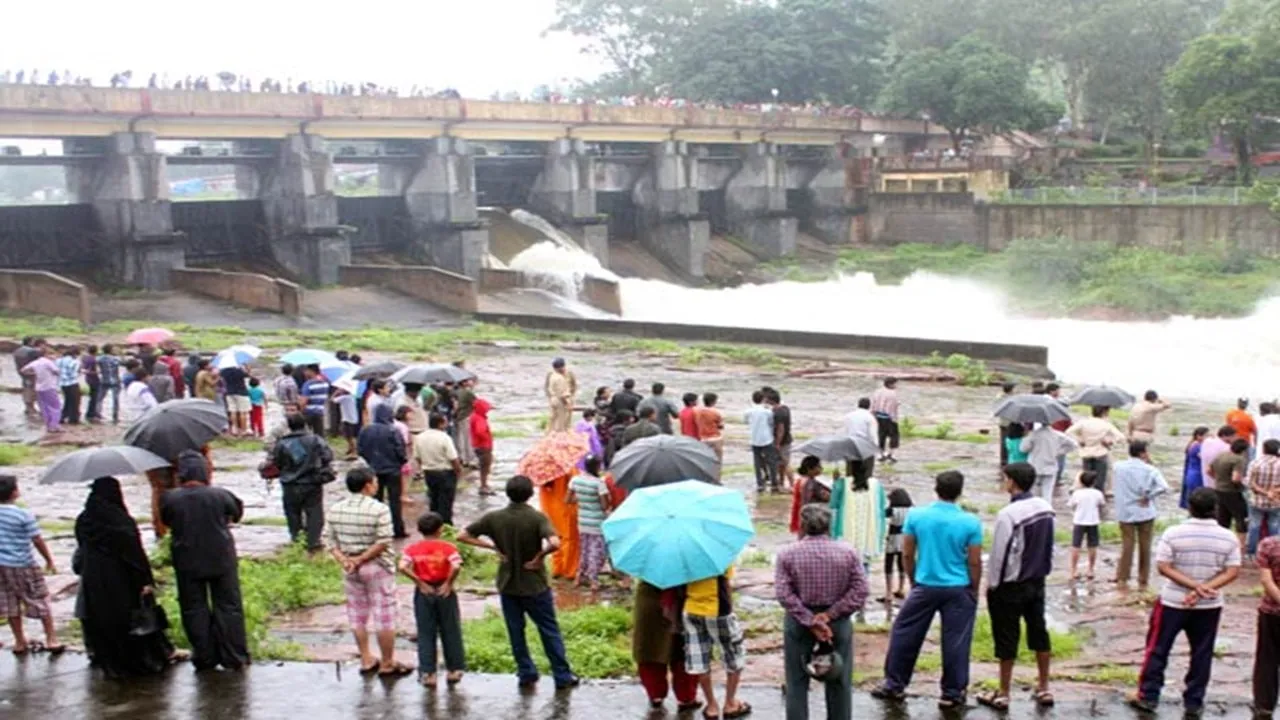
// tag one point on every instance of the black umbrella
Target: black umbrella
(1103, 396)
(663, 459)
(831, 448)
(431, 374)
(378, 370)
(177, 425)
(1041, 409)
(93, 463)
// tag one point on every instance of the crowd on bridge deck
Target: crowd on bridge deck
(231, 82)
(438, 430)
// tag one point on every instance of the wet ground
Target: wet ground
(39, 687)
(820, 392)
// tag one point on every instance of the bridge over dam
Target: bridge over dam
(663, 179)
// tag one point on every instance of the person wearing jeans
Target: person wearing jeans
(759, 421)
(433, 565)
(820, 584)
(438, 457)
(69, 382)
(305, 461)
(382, 446)
(523, 537)
(1264, 503)
(89, 367)
(942, 550)
(1137, 485)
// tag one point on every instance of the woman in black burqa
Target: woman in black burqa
(115, 578)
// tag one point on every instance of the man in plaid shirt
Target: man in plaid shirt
(1264, 483)
(820, 583)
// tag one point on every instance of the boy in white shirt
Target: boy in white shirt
(1087, 502)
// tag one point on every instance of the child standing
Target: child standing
(1087, 501)
(434, 564)
(482, 441)
(257, 407)
(22, 586)
(349, 417)
(592, 497)
(896, 514)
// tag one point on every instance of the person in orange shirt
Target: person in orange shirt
(1240, 419)
(710, 425)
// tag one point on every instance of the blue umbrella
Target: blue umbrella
(335, 368)
(236, 355)
(308, 356)
(670, 535)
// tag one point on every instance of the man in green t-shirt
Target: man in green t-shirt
(522, 537)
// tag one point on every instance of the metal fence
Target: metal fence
(1123, 196)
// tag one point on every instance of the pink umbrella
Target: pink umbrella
(149, 336)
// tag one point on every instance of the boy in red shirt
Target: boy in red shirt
(688, 416)
(482, 442)
(434, 564)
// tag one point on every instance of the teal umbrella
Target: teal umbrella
(670, 535)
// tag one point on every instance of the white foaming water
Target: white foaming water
(557, 262)
(1182, 357)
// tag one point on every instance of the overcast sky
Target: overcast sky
(476, 46)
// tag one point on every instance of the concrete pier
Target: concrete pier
(756, 202)
(302, 211)
(668, 222)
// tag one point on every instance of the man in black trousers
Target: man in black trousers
(204, 564)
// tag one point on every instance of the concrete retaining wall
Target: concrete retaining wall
(1002, 352)
(251, 290)
(436, 286)
(44, 293)
(597, 292)
(942, 218)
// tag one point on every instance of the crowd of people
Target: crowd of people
(844, 519)
(231, 82)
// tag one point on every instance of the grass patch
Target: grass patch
(1105, 674)
(509, 433)
(479, 567)
(236, 444)
(1066, 645)
(597, 640)
(265, 521)
(937, 467)
(757, 559)
(57, 527)
(289, 580)
(18, 454)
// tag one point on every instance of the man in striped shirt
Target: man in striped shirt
(1197, 559)
(315, 399)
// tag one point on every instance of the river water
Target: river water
(1203, 358)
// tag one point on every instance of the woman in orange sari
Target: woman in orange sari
(554, 500)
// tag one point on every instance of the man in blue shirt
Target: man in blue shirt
(315, 398)
(759, 421)
(942, 551)
(1137, 484)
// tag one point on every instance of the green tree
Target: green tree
(971, 85)
(820, 50)
(1226, 83)
(632, 34)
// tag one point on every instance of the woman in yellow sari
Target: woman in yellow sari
(554, 501)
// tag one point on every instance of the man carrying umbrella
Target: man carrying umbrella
(820, 584)
(205, 566)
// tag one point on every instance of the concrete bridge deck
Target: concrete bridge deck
(70, 111)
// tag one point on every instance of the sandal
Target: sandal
(1043, 698)
(884, 693)
(708, 716)
(369, 669)
(453, 678)
(947, 703)
(429, 681)
(744, 709)
(689, 706)
(994, 700)
(20, 651)
(55, 650)
(396, 670)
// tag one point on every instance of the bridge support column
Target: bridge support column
(130, 197)
(835, 197)
(667, 218)
(441, 199)
(302, 211)
(565, 193)
(756, 202)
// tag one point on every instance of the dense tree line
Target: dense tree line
(1152, 67)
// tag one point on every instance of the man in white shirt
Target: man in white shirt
(759, 421)
(138, 397)
(435, 453)
(1268, 423)
(862, 427)
(1096, 436)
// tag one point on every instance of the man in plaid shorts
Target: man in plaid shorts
(22, 585)
(358, 532)
(709, 622)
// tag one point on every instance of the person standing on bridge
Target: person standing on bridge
(561, 387)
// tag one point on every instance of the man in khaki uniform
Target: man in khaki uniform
(561, 387)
